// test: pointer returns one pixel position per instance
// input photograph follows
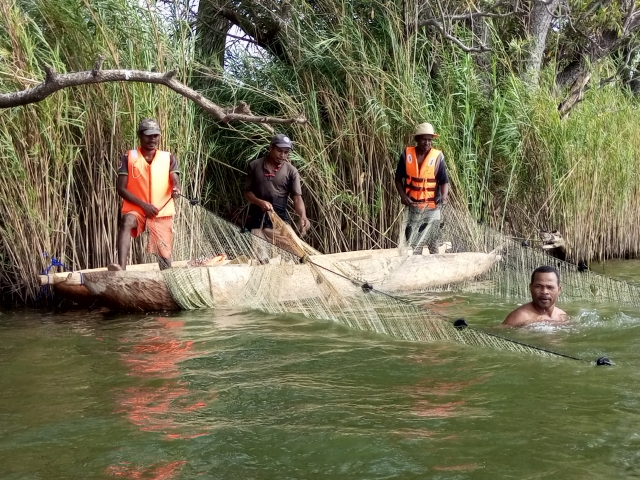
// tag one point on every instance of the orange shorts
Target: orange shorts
(160, 229)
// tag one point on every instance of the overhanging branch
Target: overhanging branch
(55, 82)
(447, 36)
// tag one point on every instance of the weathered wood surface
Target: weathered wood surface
(386, 270)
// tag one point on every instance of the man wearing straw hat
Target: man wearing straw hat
(270, 181)
(148, 182)
(423, 185)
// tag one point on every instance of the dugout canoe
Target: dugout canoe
(146, 288)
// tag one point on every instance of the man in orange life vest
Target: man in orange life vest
(423, 186)
(148, 182)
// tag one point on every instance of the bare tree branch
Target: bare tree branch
(474, 15)
(438, 26)
(632, 19)
(54, 82)
(241, 22)
(264, 33)
(576, 95)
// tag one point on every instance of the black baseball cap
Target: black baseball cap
(149, 127)
(282, 141)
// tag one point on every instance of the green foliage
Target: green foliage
(511, 160)
(362, 82)
(60, 155)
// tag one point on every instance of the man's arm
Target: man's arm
(174, 177)
(248, 191)
(560, 315)
(294, 188)
(404, 198)
(517, 318)
(121, 187)
(401, 173)
(444, 193)
(175, 184)
(442, 179)
(298, 206)
(263, 204)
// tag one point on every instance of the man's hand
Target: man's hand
(265, 206)
(175, 192)
(303, 225)
(444, 199)
(406, 200)
(149, 210)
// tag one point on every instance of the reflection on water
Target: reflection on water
(445, 398)
(619, 269)
(162, 402)
(165, 471)
(218, 394)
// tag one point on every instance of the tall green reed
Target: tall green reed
(62, 153)
(512, 161)
(363, 85)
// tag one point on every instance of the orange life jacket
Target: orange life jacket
(150, 182)
(420, 183)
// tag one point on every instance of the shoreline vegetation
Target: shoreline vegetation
(361, 78)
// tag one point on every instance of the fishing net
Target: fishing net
(219, 265)
(510, 277)
(222, 266)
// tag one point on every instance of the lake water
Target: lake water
(220, 394)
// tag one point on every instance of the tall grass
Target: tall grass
(362, 95)
(60, 155)
(363, 85)
(512, 162)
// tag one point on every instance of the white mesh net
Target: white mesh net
(216, 264)
(278, 273)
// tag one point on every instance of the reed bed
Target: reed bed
(60, 155)
(513, 162)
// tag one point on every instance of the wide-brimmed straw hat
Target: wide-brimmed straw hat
(425, 129)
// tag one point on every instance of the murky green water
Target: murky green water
(213, 394)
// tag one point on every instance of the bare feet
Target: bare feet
(114, 267)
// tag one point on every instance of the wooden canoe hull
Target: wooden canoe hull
(144, 291)
(243, 285)
(78, 294)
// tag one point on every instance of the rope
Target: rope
(54, 263)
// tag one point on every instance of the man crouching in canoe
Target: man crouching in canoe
(148, 182)
(545, 289)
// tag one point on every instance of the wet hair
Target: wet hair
(545, 269)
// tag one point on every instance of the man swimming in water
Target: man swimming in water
(545, 288)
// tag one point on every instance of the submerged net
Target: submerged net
(222, 266)
(217, 265)
(510, 277)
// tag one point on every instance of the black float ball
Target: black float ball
(460, 324)
(603, 361)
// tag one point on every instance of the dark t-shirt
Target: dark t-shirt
(123, 168)
(441, 172)
(273, 188)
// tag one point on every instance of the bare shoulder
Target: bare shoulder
(560, 315)
(519, 316)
